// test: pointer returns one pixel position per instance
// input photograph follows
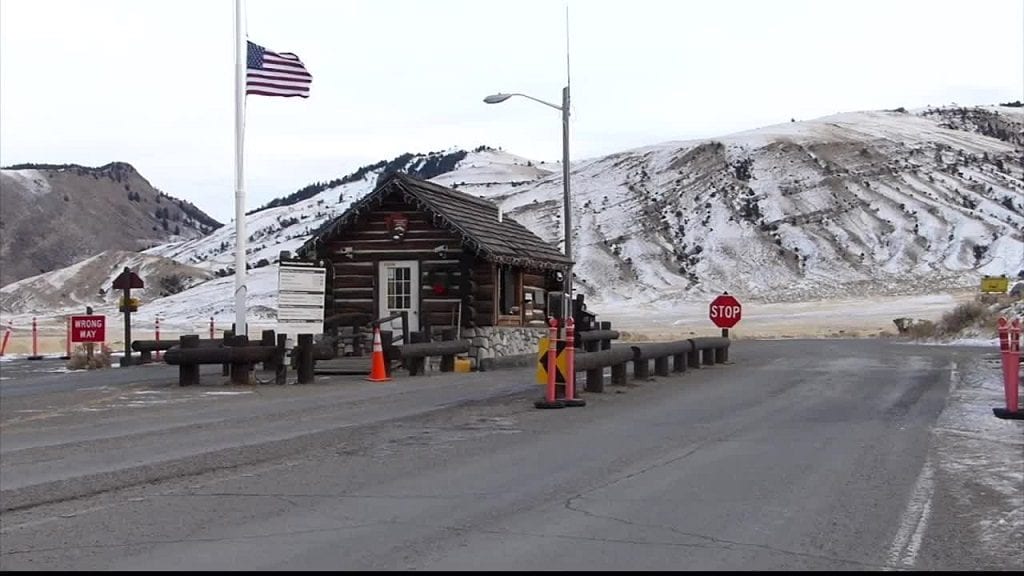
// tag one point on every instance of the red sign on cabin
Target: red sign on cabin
(89, 328)
(725, 311)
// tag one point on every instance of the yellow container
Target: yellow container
(462, 365)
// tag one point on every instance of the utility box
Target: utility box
(582, 319)
(557, 305)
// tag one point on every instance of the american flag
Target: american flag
(275, 74)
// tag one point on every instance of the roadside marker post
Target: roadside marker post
(549, 401)
(571, 399)
(67, 340)
(158, 337)
(1009, 349)
(35, 341)
(7, 336)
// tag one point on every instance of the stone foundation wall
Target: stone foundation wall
(498, 341)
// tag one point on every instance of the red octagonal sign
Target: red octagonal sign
(725, 311)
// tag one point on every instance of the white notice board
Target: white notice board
(300, 299)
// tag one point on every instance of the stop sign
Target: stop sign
(725, 311)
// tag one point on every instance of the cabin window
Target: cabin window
(399, 292)
(508, 287)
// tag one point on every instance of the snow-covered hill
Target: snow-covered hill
(853, 205)
(88, 283)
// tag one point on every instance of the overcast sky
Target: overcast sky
(151, 82)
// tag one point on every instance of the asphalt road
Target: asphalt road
(797, 455)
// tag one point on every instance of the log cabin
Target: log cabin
(447, 258)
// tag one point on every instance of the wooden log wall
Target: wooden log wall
(483, 293)
(355, 253)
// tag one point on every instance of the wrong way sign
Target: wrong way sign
(725, 311)
(92, 328)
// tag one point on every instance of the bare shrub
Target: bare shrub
(921, 329)
(80, 359)
(966, 315)
(172, 284)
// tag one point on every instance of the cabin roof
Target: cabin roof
(474, 219)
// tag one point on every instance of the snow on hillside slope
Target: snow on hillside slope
(88, 283)
(852, 204)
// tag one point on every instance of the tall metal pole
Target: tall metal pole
(241, 56)
(566, 198)
(566, 201)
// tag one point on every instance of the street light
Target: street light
(566, 202)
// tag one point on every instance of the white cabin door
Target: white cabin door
(399, 283)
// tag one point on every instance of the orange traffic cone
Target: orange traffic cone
(378, 372)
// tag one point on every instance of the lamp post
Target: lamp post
(566, 202)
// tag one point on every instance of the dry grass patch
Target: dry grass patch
(80, 359)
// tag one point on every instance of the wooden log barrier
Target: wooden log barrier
(660, 353)
(448, 360)
(268, 338)
(240, 367)
(280, 366)
(679, 362)
(304, 356)
(189, 354)
(594, 363)
(710, 349)
(598, 336)
(228, 340)
(199, 354)
(606, 344)
(693, 358)
(188, 374)
(414, 355)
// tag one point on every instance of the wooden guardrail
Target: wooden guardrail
(594, 340)
(683, 353)
(146, 348)
(660, 352)
(713, 350)
(188, 355)
(594, 363)
(414, 356)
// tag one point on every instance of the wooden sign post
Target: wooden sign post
(125, 281)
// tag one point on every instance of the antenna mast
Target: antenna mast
(567, 44)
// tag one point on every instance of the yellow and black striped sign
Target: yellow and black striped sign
(561, 361)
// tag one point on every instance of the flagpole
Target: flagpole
(241, 56)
